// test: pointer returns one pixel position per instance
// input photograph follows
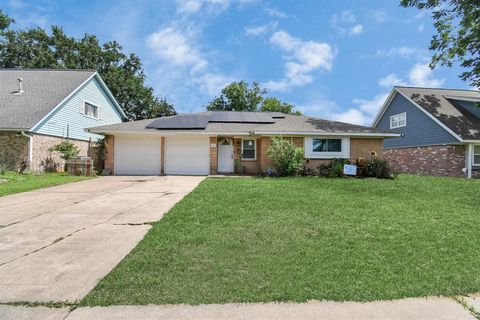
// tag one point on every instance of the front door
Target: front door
(225, 156)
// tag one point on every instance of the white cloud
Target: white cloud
(421, 75)
(421, 28)
(391, 80)
(262, 29)
(272, 85)
(272, 12)
(403, 52)
(379, 16)
(351, 116)
(303, 58)
(345, 23)
(16, 4)
(173, 46)
(356, 30)
(213, 83)
(187, 7)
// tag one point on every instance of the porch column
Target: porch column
(162, 156)
(468, 159)
(213, 155)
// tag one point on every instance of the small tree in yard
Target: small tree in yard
(67, 150)
(287, 158)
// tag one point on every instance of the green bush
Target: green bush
(287, 158)
(67, 150)
(374, 168)
(3, 169)
(334, 169)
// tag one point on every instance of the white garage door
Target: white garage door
(137, 155)
(187, 155)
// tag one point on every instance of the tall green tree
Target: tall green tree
(238, 96)
(273, 104)
(457, 23)
(123, 73)
(241, 96)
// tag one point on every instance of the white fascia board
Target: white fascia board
(169, 133)
(440, 123)
(472, 141)
(110, 95)
(343, 134)
(62, 102)
(384, 107)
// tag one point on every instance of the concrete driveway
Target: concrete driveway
(56, 243)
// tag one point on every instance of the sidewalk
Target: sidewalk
(418, 308)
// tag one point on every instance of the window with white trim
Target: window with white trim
(90, 110)
(476, 155)
(398, 120)
(327, 147)
(249, 150)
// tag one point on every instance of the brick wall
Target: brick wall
(251, 166)
(13, 149)
(41, 155)
(213, 155)
(445, 160)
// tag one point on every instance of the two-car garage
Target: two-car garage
(142, 155)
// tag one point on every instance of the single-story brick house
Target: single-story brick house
(39, 108)
(211, 142)
(440, 131)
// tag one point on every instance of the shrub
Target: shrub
(374, 168)
(3, 169)
(287, 158)
(307, 171)
(334, 169)
(67, 150)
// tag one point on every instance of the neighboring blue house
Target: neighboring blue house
(440, 131)
(41, 107)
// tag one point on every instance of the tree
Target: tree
(275, 105)
(123, 73)
(458, 34)
(240, 96)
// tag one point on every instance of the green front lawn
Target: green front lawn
(13, 182)
(296, 239)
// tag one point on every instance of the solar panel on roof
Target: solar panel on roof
(200, 121)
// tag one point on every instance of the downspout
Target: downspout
(30, 147)
(469, 158)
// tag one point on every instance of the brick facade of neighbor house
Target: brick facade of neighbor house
(14, 150)
(441, 160)
(41, 155)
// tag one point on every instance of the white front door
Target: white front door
(225, 157)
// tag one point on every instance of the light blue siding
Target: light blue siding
(420, 130)
(69, 120)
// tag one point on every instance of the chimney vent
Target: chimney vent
(20, 87)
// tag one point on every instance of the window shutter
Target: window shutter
(82, 106)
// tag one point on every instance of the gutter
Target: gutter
(30, 147)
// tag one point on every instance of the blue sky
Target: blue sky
(332, 59)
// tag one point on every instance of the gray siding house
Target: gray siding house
(39, 108)
(440, 131)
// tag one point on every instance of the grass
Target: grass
(296, 239)
(12, 182)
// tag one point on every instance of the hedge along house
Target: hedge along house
(39, 108)
(213, 142)
(440, 131)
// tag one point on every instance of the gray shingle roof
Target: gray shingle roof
(440, 103)
(287, 124)
(43, 91)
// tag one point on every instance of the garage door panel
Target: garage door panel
(137, 155)
(188, 155)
